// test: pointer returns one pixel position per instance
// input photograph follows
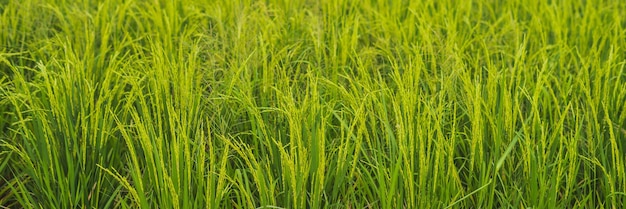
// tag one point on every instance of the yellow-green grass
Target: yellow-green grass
(312, 104)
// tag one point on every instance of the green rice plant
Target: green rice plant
(312, 104)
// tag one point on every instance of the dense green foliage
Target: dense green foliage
(312, 104)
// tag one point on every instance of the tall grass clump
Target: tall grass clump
(312, 104)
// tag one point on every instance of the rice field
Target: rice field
(270, 104)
